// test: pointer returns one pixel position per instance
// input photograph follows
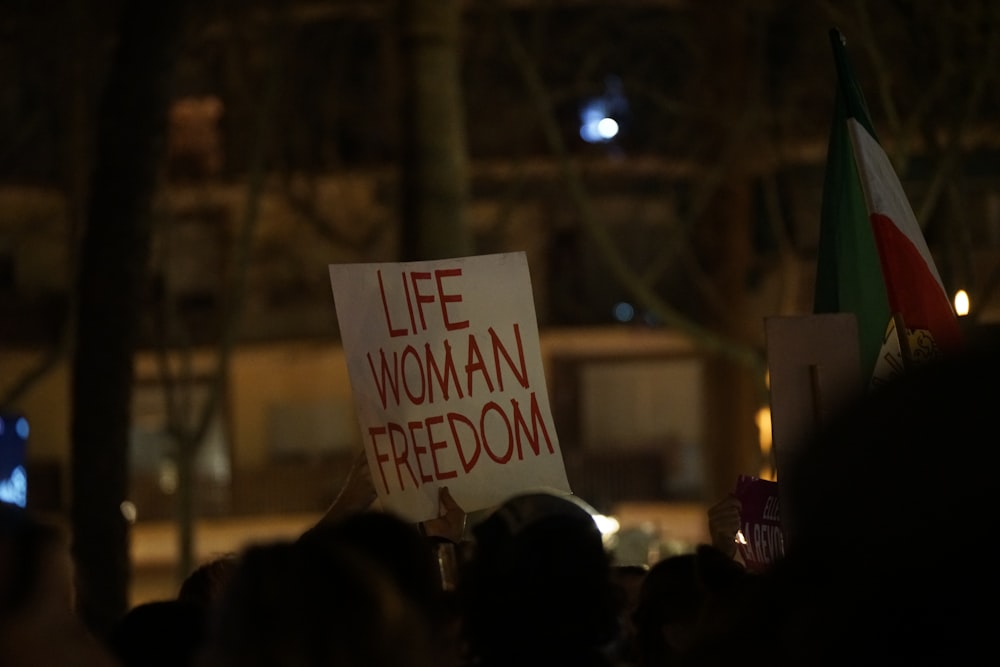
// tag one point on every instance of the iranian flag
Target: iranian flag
(873, 259)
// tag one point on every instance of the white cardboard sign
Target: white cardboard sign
(448, 382)
(815, 371)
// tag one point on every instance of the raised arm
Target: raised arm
(356, 495)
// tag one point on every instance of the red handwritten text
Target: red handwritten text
(412, 452)
(418, 298)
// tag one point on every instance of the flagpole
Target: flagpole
(902, 336)
(853, 96)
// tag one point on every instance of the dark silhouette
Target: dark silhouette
(38, 624)
(393, 544)
(162, 633)
(537, 589)
(889, 557)
(205, 583)
(313, 604)
(627, 581)
(681, 598)
(404, 554)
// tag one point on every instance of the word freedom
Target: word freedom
(427, 376)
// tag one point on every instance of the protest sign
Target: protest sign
(446, 371)
(763, 541)
(814, 369)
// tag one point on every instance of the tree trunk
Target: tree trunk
(732, 392)
(110, 282)
(726, 243)
(434, 179)
(187, 451)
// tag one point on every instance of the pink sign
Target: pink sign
(763, 541)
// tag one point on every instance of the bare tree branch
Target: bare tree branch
(622, 272)
(304, 206)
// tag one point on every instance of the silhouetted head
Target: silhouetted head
(395, 545)
(306, 604)
(26, 544)
(206, 582)
(682, 597)
(164, 633)
(538, 584)
(38, 624)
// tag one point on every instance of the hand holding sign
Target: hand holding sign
(724, 524)
(356, 495)
(760, 522)
(450, 522)
(448, 382)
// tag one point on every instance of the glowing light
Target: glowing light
(597, 128)
(608, 525)
(129, 511)
(740, 537)
(168, 477)
(624, 312)
(607, 128)
(14, 489)
(763, 419)
(599, 116)
(961, 303)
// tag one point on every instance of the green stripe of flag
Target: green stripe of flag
(848, 272)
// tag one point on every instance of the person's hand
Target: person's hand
(450, 522)
(724, 524)
(356, 495)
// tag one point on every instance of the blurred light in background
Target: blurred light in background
(601, 117)
(21, 428)
(623, 312)
(129, 511)
(961, 303)
(763, 419)
(595, 126)
(168, 476)
(608, 525)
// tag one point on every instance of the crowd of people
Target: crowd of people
(888, 561)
